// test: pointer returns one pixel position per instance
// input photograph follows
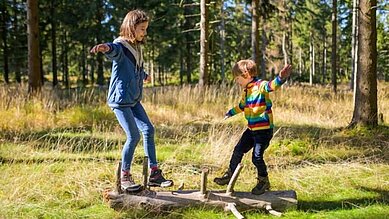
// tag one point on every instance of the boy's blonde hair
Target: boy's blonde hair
(132, 19)
(244, 68)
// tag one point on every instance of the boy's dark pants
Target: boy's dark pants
(259, 140)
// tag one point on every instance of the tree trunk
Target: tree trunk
(263, 49)
(100, 66)
(187, 25)
(92, 70)
(181, 66)
(284, 45)
(333, 52)
(310, 60)
(300, 62)
(4, 32)
(65, 69)
(365, 106)
(83, 66)
(354, 46)
(324, 72)
(34, 74)
(16, 32)
(53, 44)
(222, 41)
(189, 62)
(255, 33)
(203, 79)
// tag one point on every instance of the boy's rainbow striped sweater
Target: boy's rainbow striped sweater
(256, 103)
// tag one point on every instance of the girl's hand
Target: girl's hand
(100, 48)
(285, 72)
(147, 79)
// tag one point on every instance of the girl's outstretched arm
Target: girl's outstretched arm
(100, 48)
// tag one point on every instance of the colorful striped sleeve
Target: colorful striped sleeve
(239, 108)
(269, 86)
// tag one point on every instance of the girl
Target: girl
(125, 94)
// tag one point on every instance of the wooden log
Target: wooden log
(161, 201)
(231, 207)
(145, 171)
(231, 183)
(118, 176)
(203, 187)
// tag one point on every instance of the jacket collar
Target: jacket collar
(135, 50)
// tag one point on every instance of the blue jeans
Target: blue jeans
(259, 140)
(131, 119)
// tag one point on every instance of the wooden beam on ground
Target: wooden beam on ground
(161, 201)
(203, 188)
(145, 171)
(231, 207)
(231, 183)
(118, 176)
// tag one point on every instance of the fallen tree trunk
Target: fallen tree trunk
(161, 201)
(271, 201)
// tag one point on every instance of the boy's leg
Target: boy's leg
(127, 122)
(245, 143)
(262, 139)
(144, 124)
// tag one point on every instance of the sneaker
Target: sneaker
(262, 186)
(225, 179)
(156, 179)
(127, 183)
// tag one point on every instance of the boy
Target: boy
(256, 105)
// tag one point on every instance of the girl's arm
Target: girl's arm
(100, 48)
(111, 50)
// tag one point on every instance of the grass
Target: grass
(59, 151)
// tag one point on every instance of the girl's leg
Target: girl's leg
(147, 129)
(142, 121)
(127, 122)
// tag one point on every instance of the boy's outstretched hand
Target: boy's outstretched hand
(100, 48)
(285, 72)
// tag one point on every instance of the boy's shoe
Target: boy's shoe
(156, 179)
(127, 183)
(262, 186)
(225, 179)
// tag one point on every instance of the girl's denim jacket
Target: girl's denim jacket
(126, 84)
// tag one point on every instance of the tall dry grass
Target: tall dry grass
(182, 114)
(296, 104)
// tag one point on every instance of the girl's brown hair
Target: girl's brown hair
(244, 67)
(132, 19)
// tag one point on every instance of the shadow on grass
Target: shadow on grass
(312, 206)
(65, 139)
(373, 142)
(82, 139)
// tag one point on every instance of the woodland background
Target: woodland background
(60, 143)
